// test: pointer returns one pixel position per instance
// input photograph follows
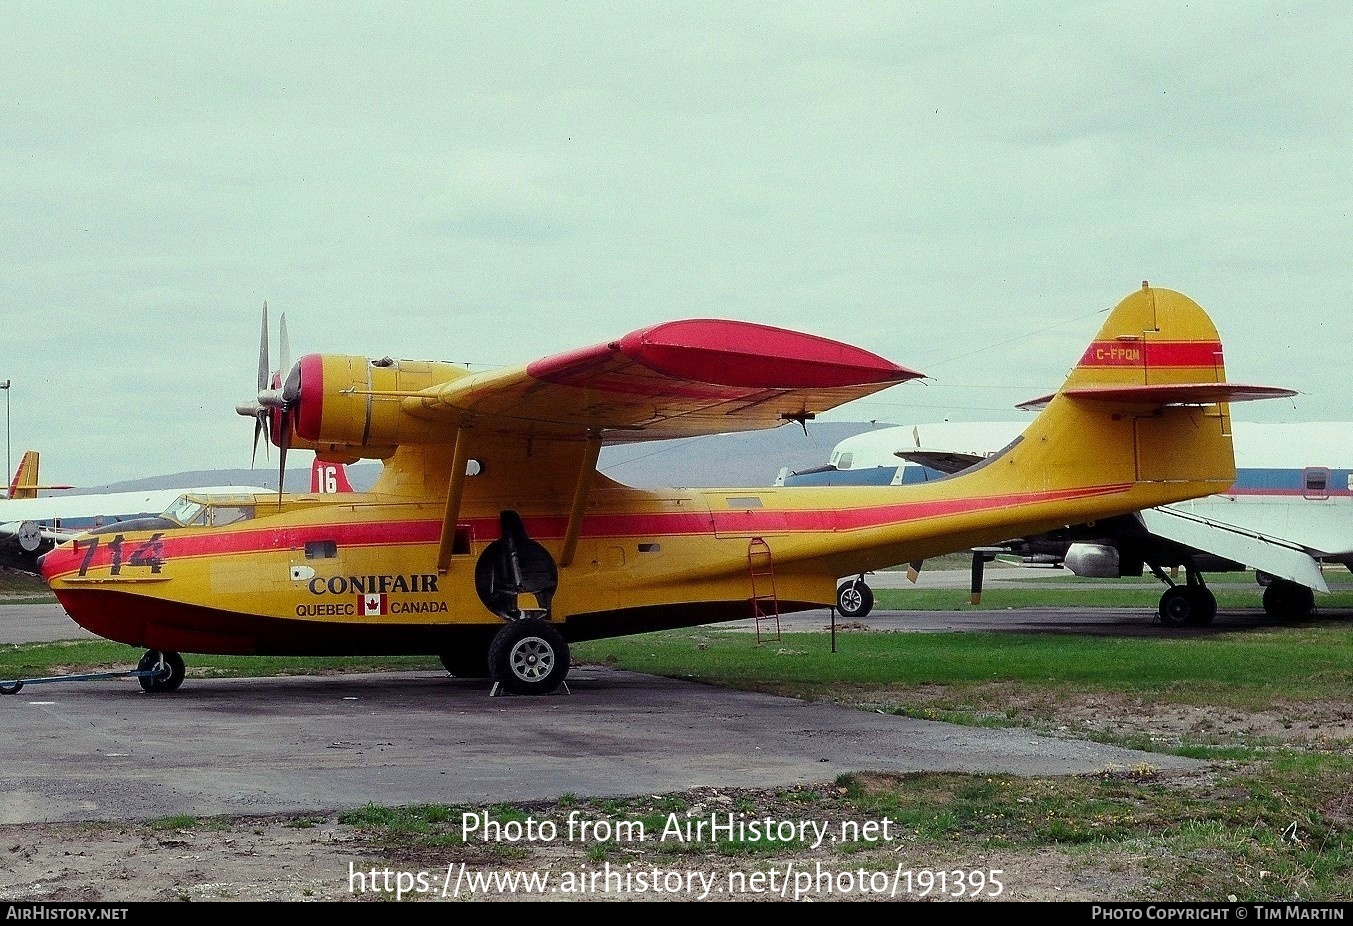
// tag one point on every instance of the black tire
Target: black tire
(528, 657)
(1188, 605)
(169, 675)
(1177, 606)
(1204, 606)
(1288, 600)
(854, 598)
(471, 662)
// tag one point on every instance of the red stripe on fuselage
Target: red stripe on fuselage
(187, 542)
(1152, 354)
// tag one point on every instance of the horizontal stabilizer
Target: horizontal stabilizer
(1156, 396)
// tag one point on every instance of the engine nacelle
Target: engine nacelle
(1093, 560)
(352, 401)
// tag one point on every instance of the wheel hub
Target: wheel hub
(532, 659)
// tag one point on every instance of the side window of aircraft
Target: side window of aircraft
(1315, 482)
(229, 514)
(844, 461)
(321, 549)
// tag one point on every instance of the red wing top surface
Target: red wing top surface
(678, 379)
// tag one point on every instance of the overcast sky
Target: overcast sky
(959, 187)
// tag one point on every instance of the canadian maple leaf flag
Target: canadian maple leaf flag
(373, 604)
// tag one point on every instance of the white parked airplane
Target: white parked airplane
(1289, 511)
(31, 524)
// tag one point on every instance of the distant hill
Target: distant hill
(753, 458)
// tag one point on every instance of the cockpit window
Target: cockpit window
(185, 511)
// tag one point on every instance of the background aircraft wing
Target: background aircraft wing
(1270, 554)
(22, 542)
(941, 461)
(677, 379)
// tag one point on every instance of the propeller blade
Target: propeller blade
(263, 370)
(914, 570)
(285, 365)
(284, 440)
(258, 429)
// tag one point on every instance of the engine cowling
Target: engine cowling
(351, 401)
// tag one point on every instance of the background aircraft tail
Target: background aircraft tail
(328, 477)
(25, 481)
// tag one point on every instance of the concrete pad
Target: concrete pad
(103, 750)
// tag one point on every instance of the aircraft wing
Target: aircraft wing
(677, 379)
(941, 461)
(1267, 553)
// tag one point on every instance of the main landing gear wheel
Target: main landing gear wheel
(1284, 599)
(854, 598)
(1183, 605)
(167, 667)
(528, 657)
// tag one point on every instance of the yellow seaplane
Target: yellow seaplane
(491, 541)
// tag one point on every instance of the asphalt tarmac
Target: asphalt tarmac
(38, 623)
(103, 750)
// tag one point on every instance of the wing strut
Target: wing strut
(575, 515)
(454, 490)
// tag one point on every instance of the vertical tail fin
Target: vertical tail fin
(25, 481)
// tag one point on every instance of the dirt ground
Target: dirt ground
(1311, 724)
(274, 860)
(319, 857)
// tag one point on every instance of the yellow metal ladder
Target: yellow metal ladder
(765, 603)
